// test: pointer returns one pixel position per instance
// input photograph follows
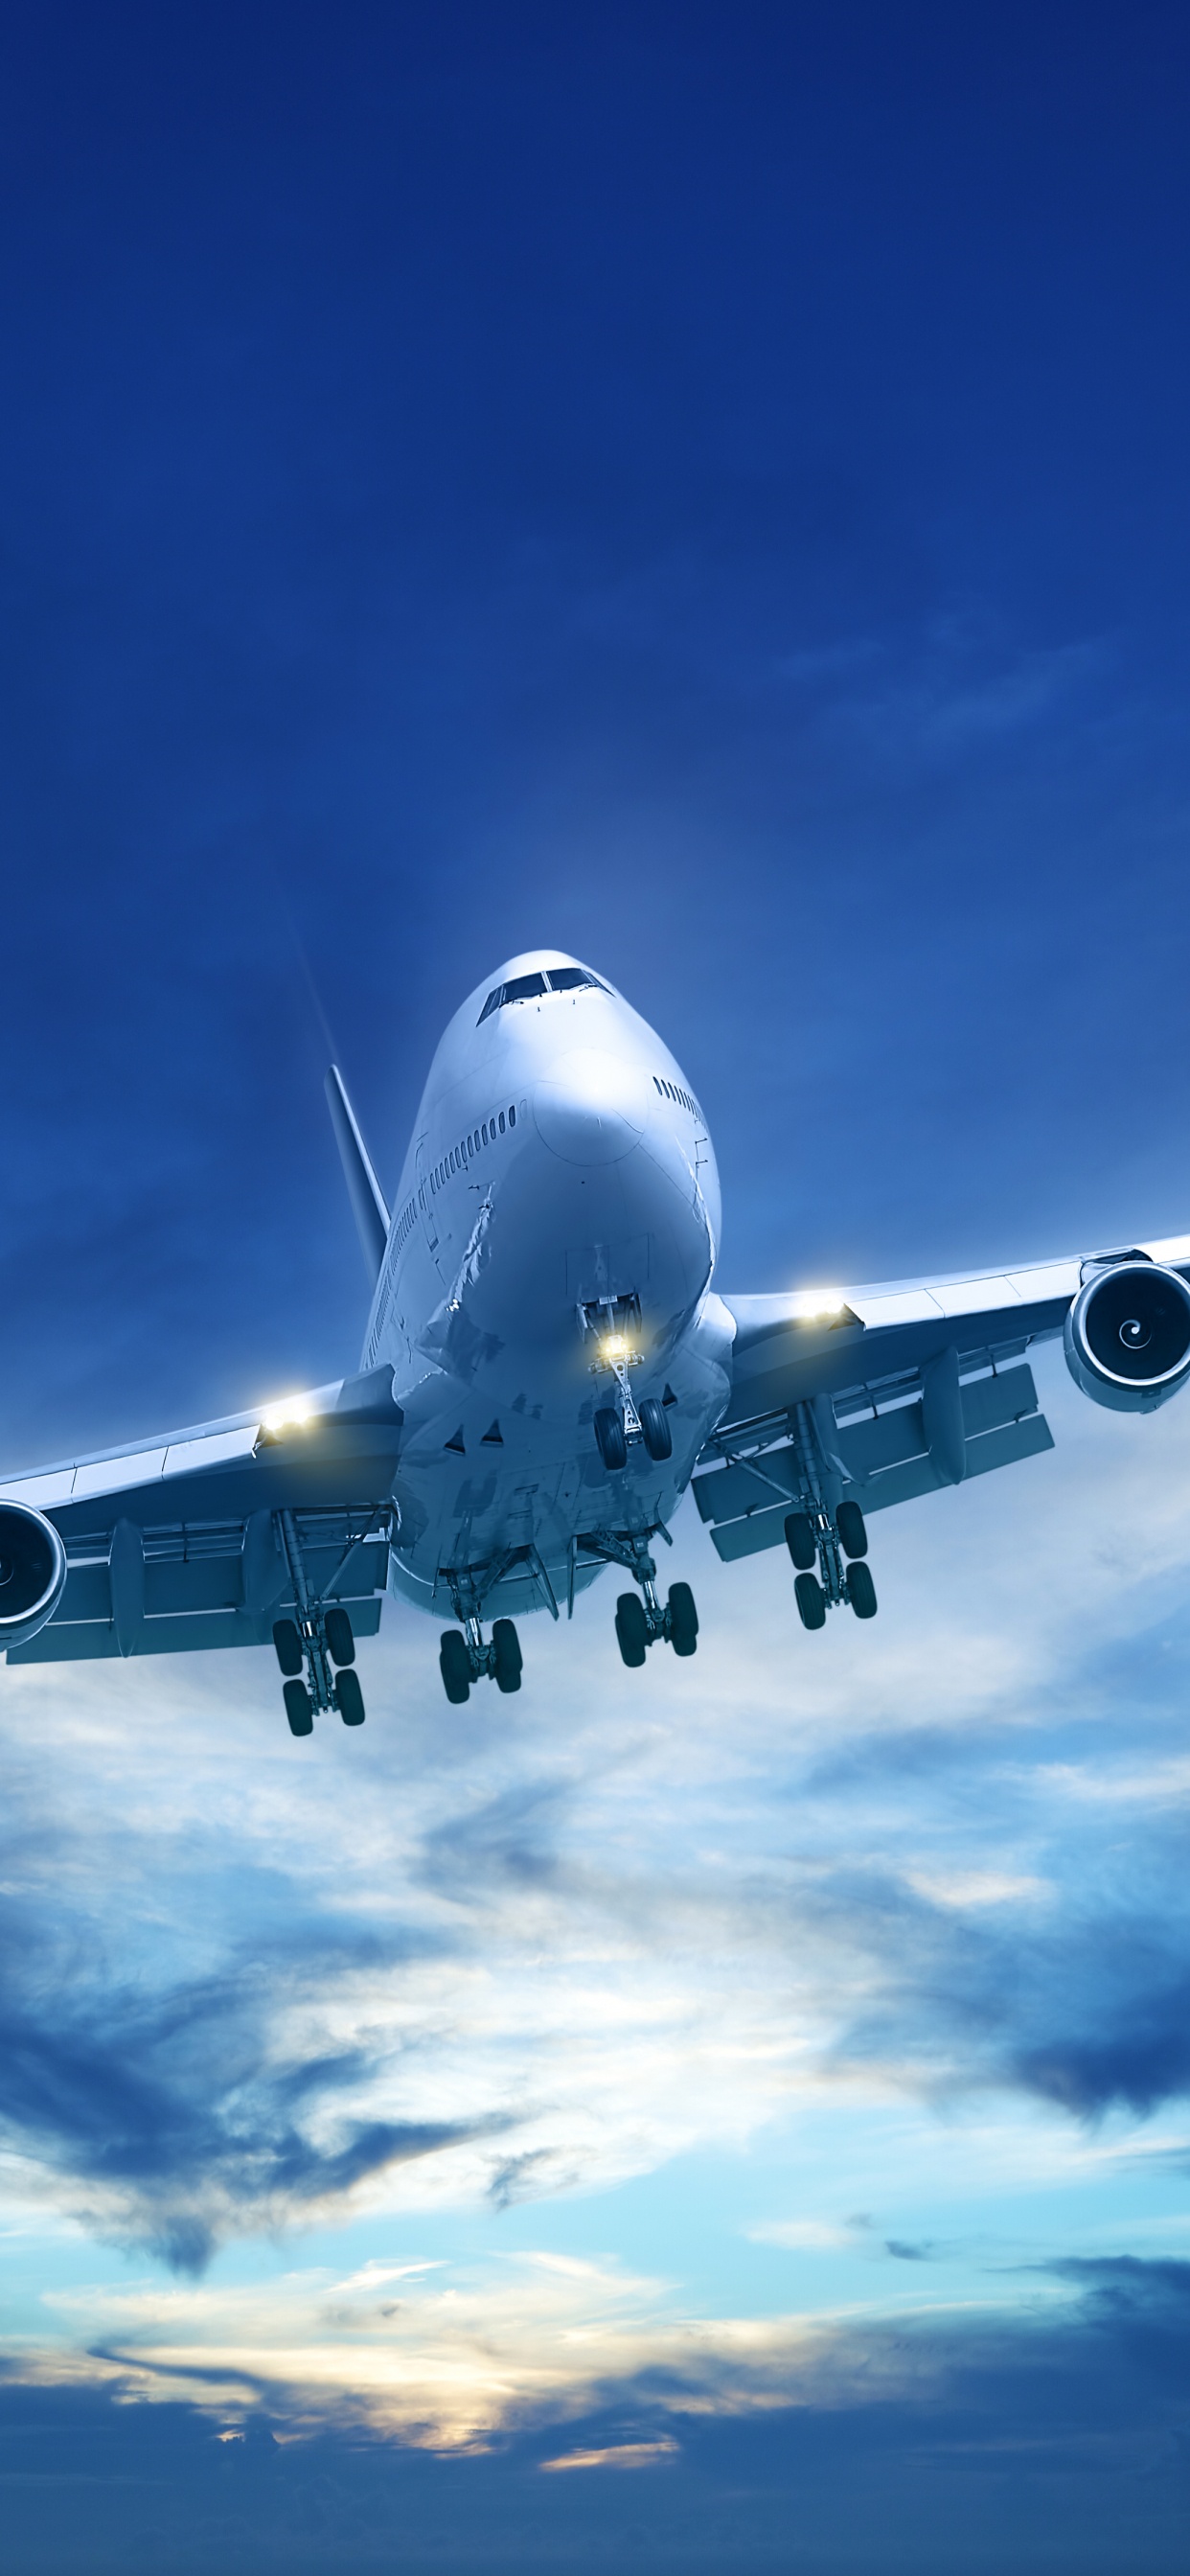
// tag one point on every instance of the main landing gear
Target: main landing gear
(320, 1639)
(816, 1536)
(463, 1658)
(645, 1622)
(641, 1624)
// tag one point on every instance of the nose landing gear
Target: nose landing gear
(619, 1425)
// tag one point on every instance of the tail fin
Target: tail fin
(363, 1189)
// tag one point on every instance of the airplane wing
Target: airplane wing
(876, 1395)
(180, 1542)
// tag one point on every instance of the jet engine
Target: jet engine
(32, 1573)
(1127, 1336)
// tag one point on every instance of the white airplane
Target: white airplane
(547, 1367)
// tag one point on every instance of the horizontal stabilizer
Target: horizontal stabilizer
(363, 1189)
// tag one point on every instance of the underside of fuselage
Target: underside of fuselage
(550, 1262)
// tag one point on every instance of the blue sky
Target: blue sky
(706, 489)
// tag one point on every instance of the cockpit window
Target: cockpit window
(530, 988)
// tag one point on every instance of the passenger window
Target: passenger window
(512, 1117)
(501, 1122)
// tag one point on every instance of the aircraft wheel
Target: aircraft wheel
(609, 1435)
(632, 1629)
(853, 1537)
(507, 1658)
(861, 1591)
(800, 1540)
(655, 1430)
(349, 1698)
(338, 1635)
(288, 1641)
(454, 1663)
(683, 1619)
(299, 1709)
(811, 1600)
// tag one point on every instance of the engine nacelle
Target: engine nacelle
(32, 1573)
(1127, 1336)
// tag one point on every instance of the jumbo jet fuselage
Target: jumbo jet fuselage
(559, 1207)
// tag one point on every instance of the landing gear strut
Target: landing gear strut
(641, 1623)
(822, 1533)
(463, 1658)
(618, 1425)
(318, 1639)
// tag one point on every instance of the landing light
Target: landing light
(814, 1305)
(614, 1346)
(292, 1415)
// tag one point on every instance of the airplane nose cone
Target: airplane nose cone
(591, 1108)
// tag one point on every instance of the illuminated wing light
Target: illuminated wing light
(292, 1414)
(818, 1305)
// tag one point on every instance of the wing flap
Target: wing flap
(185, 1633)
(901, 1484)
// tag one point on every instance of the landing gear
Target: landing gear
(616, 1324)
(319, 1638)
(349, 1698)
(454, 1664)
(287, 1638)
(654, 1429)
(338, 1635)
(299, 1708)
(611, 1439)
(464, 1658)
(853, 1536)
(861, 1591)
(506, 1656)
(632, 1630)
(824, 1531)
(683, 1619)
(644, 1623)
(800, 1541)
(811, 1600)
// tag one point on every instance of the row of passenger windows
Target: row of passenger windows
(674, 1091)
(470, 1146)
(404, 1225)
(530, 988)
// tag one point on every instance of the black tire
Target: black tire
(853, 1537)
(632, 1629)
(287, 1638)
(609, 1435)
(655, 1430)
(811, 1601)
(683, 1619)
(338, 1635)
(506, 1655)
(861, 1591)
(454, 1664)
(801, 1542)
(299, 1709)
(349, 1698)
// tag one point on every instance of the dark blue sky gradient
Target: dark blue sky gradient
(709, 492)
(706, 488)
